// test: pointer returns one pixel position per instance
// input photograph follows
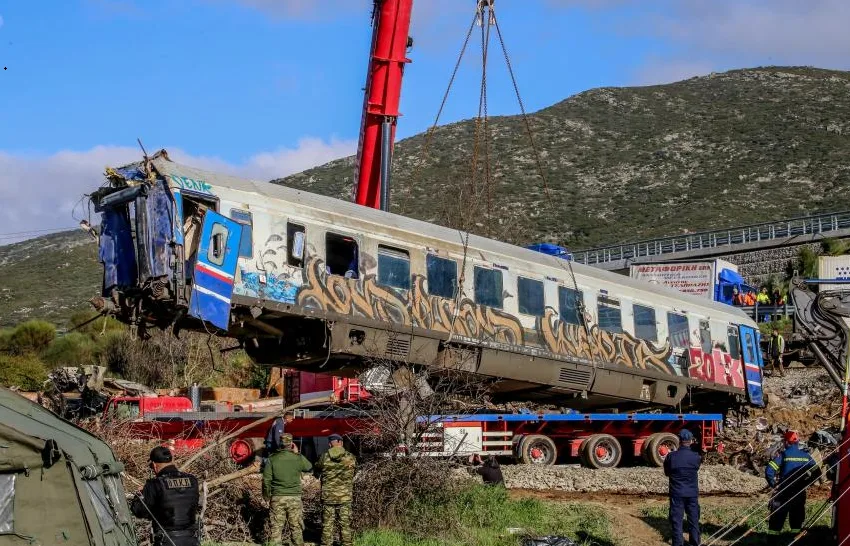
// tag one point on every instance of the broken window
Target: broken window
(246, 244)
(705, 336)
(341, 256)
(7, 503)
(645, 325)
(530, 296)
(677, 328)
(488, 287)
(610, 315)
(295, 239)
(442, 276)
(218, 242)
(393, 267)
(569, 301)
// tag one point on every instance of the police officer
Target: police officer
(789, 474)
(170, 501)
(682, 467)
(336, 470)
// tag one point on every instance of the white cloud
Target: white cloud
(43, 192)
(656, 71)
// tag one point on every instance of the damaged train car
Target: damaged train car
(316, 283)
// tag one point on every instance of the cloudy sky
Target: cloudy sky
(265, 88)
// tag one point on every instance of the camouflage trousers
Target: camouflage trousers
(331, 514)
(283, 510)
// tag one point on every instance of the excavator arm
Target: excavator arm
(822, 323)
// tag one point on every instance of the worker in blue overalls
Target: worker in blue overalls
(789, 474)
(682, 467)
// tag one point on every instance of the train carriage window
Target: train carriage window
(705, 336)
(393, 267)
(442, 276)
(569, 303)
(294, 244)
(246, 245)
(218, 238)
(488, 287)
(734, 342)
(645, 326)
(530, 296)
(610, 315)
(677, 328)
(341, 256)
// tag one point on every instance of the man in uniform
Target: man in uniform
(170, 501)
(336, 470)
(282, 488)
(774, 351)
(277, 428)
(682, 467)
(789, 474)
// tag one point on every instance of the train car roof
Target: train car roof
(168, 168)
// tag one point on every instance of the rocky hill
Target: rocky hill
(628, 163)
(620, 164)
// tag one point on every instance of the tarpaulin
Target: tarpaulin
(551, 249)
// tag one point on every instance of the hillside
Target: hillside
(629, 163)
(620, 163)
(48, 277)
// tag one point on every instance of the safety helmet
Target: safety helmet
(791, 437)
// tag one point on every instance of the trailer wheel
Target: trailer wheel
(658, 446)
(537, 449)
(601, 451)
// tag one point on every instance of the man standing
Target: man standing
(282, 488)
(682, 467)
(789, 474)
(336, 470)
(278, 427)
(170, 501)
(774, 351)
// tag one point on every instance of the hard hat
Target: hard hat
(791, 437)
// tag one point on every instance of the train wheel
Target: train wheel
(601, 451)
(538, 449)
(658, 446)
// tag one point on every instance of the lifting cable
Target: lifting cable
(728, 528)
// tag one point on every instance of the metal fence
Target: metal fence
(802, 226)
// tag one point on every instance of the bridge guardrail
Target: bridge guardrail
(804, 225)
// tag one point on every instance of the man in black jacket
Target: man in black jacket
(170, 500)
(682, 467)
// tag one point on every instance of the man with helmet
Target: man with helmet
(682, 467)
(789, 474)
(282, 488)
(170, 500)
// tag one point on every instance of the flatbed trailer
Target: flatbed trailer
(598, 440)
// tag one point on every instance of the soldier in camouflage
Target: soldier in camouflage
(282, 488)
(336, 470)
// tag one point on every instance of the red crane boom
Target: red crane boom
(390, 40)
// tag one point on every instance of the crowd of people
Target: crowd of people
(749, 298)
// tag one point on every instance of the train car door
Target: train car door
(751, 354)
(215, 268)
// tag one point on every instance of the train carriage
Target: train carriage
(320, 284)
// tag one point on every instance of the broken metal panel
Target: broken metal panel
(116, 250)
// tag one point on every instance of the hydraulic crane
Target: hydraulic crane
(390, 41)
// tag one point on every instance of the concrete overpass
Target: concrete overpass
(758, 249)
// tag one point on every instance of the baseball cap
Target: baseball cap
(334, 436)
(285, 440)
(160, 454)
(685, 435)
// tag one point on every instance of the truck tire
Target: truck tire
(657, 446)
(601, 451)
(537, 449)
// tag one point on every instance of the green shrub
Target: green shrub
(6, 340)
(23, 371)
(74, 349)
(31, 337)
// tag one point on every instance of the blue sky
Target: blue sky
(265, 88)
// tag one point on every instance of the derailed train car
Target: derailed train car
(320, 284)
